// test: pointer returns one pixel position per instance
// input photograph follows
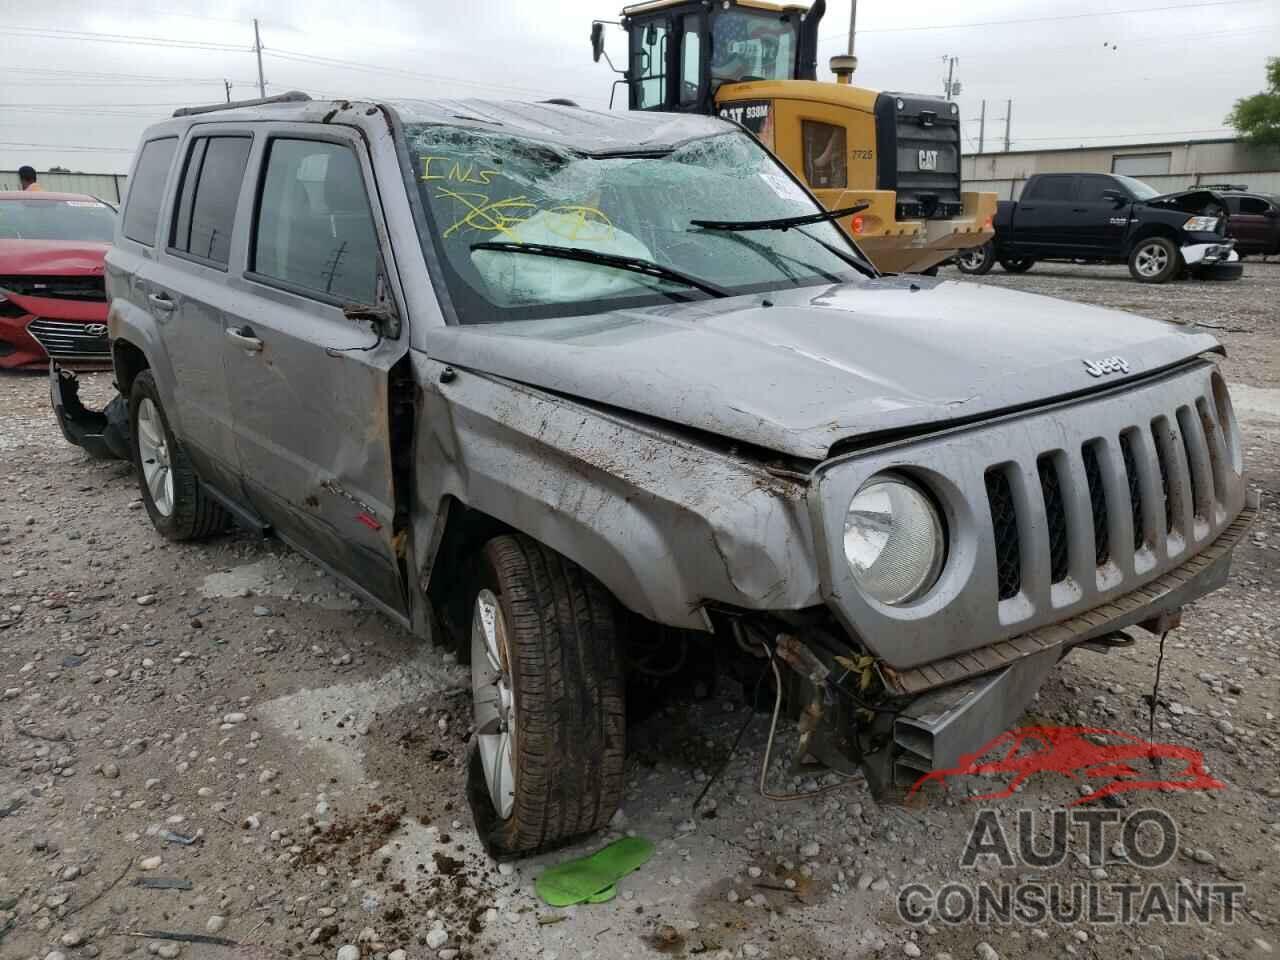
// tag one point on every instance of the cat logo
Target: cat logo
(928, 159)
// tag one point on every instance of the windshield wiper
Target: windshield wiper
(781, 223)
(633, 264)
(860, 262)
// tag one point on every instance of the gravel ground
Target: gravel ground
(223, 722)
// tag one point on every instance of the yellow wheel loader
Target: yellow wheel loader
(755, 63)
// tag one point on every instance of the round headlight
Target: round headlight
(893, 540)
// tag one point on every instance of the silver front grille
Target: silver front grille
(1087, 517)
(69, 340)
(1050, 514)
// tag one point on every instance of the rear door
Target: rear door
(311, 402)
(190, 291)
(1042, 219)
(1098, 224)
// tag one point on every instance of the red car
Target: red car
(53, 304)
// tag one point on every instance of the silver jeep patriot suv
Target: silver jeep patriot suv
(596, 395)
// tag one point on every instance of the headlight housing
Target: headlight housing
(1201, 224)
(894, 540)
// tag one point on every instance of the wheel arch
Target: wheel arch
(1150, 230)
(128, 360)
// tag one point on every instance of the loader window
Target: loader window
(755, 46)
(649, 65)
(480, 187)
(690, 60)
(824, 155)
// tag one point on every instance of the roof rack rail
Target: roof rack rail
(293, 96)
(1235, 187)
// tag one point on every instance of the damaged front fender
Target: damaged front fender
(667, 524)
(102, 433)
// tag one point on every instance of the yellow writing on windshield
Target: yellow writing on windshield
(490, 216)
(444, 168)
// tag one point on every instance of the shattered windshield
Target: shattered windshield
(481, 187)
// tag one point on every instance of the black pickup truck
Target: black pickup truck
(1106, 218)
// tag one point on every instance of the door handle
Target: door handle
(161, 301)
(243, 337)
(1079, 210)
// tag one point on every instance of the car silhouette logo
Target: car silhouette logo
(95, 329)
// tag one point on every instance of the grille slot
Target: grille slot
(1004, 524)
(1097, 502)
(1159, 430)
(1135, 487)
(57, 288)
(1201, 492)
(1055, 515)
(69, 341)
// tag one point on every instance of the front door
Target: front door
(1099, 224)
(1249, 223)
(310, 386)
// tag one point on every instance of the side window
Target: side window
(314, 228)
(1090, 189)
(690, 60)
(146, 190)
(1252, 205)
(207, 198)
(1234, 205)
(824, 155)
(649, 66)
(1051, 190)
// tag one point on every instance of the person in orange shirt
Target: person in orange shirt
(27, 177)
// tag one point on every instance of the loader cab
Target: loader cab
(680, 54)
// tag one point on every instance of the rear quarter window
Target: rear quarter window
(146, 190)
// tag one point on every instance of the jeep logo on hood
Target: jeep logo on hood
(1100, 368)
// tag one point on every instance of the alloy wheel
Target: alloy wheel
(493, 700)
(153, 445)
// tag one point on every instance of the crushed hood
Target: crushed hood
(1191, 201)
(825, 364)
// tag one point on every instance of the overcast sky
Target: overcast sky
(78, 85)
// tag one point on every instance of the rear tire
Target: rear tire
(546, 669)
(1017, 264)
(1154, 260)
(171, 492)
(976, 261)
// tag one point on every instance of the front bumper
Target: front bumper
(102, 433)
(1215, 261)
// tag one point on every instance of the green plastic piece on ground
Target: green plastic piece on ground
(588, 878)
(605, 895)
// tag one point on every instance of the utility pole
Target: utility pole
(853, 23)
(257, 48)
(227, 84)
(1008, 116)
(952, 87)
(982, 126)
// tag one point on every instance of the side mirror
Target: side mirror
(1115, 196)
(597, 41)
(651, 35)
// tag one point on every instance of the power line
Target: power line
(1110, 136)
(86, 36)
(1063, 16)
(65, 146)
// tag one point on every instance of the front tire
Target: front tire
(977, 261)
(547, 762)
(171, 492)
(1154, 260)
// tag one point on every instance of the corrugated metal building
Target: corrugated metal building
(105, 186)
(1166, 166)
